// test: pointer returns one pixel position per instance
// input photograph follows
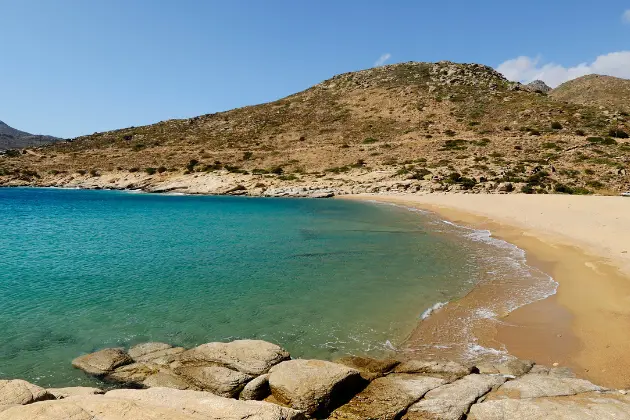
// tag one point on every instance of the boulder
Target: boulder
(218, 380)
(253, 357)
(387, 397)
(369, 368)
(581, 407)
(447, 370)
(452, 401)
(256, 389)
(61, 393)
(314, 386)
(512, 367)
(151, 404)
(133, 374)
(103, 361)
(534, 386)
(19, 392)
(165, 380)
(159, 353)
(559, 372)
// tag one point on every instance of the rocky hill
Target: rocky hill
(10, 138)
(402, 127)
(612, 93)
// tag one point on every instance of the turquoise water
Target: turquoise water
(83, 270)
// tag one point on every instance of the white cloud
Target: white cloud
(382, 59)
(525, 69)
(625, 17)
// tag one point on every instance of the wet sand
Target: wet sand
(579, 242)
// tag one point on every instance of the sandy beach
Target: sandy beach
(583, 243)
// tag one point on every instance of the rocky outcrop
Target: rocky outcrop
(387, 398)
(452, 401)
(103, 361)
(251, 379)
(314, 386)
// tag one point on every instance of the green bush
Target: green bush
(606, 141)
(150, 171)
(161, 169)
(420, 173)
(450, 133)
(94, 172)
(454, 145)
(618, 133)
(369, 140)
(527, 189)
(247, 155)
(276, 170)
(580, 133)
(12, 153)
(289, 177)
(556, 125)
(132, 170)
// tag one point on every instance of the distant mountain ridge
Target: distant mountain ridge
(610, 92)
(10, 138)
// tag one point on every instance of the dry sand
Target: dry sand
(584, 243)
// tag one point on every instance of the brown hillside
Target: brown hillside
(610, 92)
(418, 121)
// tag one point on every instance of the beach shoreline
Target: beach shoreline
(584, 325)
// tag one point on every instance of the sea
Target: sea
(84, 270)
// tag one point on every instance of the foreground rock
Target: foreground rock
(257, 389)
(61, 393)
(534, 386)
(157, 353)
(452, 401)
(216, 379)
(369, 368)
(446, 370)
(152, 404)
(19, 392)
(582, 407)
(387, 398)
(253, 357)
(103, 361)
(314, 386)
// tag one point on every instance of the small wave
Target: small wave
(432, 309)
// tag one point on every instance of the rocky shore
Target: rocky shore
(253, 379)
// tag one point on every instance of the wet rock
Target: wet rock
(314, 386)
(387, 397)
(446, 370)
(144, 349)
(253, 357)
(534, 386)
(61, 393)
(257, 389)
(512, 367)
(582, 407)
(133, 374)
(452, 401)
(369, 368)
(103, 361)
(158, 353)
(19, 392)
(559, 372)
(215, 379)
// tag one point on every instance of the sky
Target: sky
(74, 67)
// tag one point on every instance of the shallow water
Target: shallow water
(83, 270)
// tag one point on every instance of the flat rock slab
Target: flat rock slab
(133, 374)
(158, 353)
(386, 398)
(370, 368)
(446, 370)
(452, 401)
(580, 407)
(216, 379)
(512, 367)
(144, 349)
(534, 386)
(253, 357)
(314, 386)
(103, 361)
(166, 380)
(19, 392)
(152, 404)
(60, 393)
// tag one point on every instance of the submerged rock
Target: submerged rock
(103, 361)
(386, 398)
(314, 386)
(253, 357)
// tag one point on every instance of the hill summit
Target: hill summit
(413, 126)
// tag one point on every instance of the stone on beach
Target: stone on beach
(253, 357)
(446, 370)
(452, 401)
(314, 386)
(369, 368)
(73, 391)
(386, 398)
(534, 386)
(513, 367)
(103, 361)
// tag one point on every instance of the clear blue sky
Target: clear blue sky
(72, 67)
